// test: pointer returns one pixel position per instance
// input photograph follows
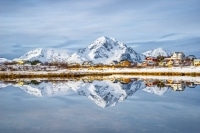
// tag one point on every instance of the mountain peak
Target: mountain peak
(107, 42)
(105, 38)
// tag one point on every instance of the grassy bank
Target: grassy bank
(12, 75)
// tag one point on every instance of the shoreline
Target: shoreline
(81, 72)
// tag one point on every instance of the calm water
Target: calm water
(125, 105)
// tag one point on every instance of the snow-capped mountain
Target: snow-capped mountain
(105, 50)
(2, 60)
(103, 93)
(157, 52)
(46, 55)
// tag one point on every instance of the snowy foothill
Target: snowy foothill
(2, 60)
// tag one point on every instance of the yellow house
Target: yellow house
(125, 63)
(20, 62)
(169, 63)
(196, 62)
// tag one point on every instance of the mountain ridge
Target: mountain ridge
(157, 52)
(46, 55)
(103, 50)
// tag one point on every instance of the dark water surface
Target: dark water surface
(129, 106)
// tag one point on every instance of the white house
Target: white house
(178, 56)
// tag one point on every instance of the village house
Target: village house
(190, 57)
(178, 56)
(87, 64)
(189, 60)
(74, 65)
(169, 62)
(150, 61)
(176, 59)
(20, 62)
(125, 63)
(143, 64)
(196, 62)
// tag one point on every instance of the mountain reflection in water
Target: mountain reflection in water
(104, 93)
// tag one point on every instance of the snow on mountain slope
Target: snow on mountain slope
(45, 88)
(134, 86)
(33, 90)
(156, 90)
(46, 55)
(3, 85)
(103, 93)
(156, 52)
(2, 60)
(105, 50)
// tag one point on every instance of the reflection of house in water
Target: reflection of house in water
(150, 82)
(176, 85)
(191, 84)
(87, 81)
(114, 80)
(125, 80)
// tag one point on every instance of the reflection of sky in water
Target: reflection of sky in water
(142, 112)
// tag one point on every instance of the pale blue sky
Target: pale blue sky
(29, 24)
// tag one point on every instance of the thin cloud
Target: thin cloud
(168, 35)
(49, 23)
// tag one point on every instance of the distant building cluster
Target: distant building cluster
(176, 85)
(177, 59)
